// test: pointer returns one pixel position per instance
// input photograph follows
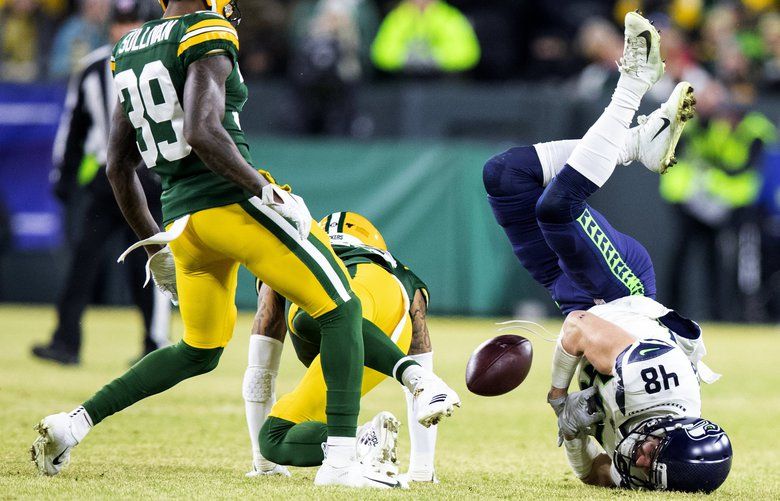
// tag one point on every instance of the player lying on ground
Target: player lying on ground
(639, 358)
(395, 302)
(181, 93)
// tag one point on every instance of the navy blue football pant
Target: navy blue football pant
(566, 245)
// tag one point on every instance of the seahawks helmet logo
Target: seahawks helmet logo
(703, 429)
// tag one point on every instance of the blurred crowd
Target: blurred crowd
(354, 40)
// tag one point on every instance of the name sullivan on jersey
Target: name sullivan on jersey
(146, 36)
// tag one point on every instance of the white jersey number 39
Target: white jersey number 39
(142, 104)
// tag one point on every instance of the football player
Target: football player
(180, 95)
(640, 361)
(395, 302)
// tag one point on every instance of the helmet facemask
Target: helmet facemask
(627, 452)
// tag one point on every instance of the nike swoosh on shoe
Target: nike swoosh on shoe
(648, 43)
(666, 124)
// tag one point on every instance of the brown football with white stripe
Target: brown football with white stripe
(499, 365)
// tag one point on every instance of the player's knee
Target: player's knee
(491, 175)
(200, 360)
(272, 445)
(571, 333)
(352, 309)
(509, 172)
(551, 207)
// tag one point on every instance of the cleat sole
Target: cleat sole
(686, 108)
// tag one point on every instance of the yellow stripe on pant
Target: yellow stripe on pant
(216, 241)
(384, 305)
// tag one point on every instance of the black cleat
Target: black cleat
(55, 354)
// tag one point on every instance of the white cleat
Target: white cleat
(51, 450)
(433, 400)
(354, 475)
(377, 444)
(641, 50)
(277, 470)
(654, 140)
(422, 477)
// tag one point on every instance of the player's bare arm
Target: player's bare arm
(204, 110)
(269, 319)
(421, 339)
(599, 340)
(123, 158)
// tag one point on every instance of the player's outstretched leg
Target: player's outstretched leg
(591, 253)
(434, 399)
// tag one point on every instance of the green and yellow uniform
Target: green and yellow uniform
(219, 225)
(386, 289)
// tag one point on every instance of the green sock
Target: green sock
(156, 372)
(382, 354)
(287, 443)
(341, 354)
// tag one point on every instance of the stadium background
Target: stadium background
(409, 152)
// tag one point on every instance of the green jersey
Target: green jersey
(355, 255)
(150, 69)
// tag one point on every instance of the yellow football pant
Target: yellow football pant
(385, 305)
(217, 240)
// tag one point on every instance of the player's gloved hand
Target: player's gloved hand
(578, 413)
(276, 470)
(161, 268)
(289, 206)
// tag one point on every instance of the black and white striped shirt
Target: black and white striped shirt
(85, 122)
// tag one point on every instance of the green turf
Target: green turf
(191, 441)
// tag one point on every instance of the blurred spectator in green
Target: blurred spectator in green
(715, 179)
(330, 40)
(425, 37)
(20, 40)
(79, 35)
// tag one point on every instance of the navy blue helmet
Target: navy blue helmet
(693, 455)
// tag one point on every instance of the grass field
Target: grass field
(191, 442)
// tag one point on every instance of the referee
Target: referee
(80, 160)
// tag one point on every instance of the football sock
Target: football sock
(287, 443)
(341, 352)
(154, 373)
(259, 385)
(597, 153)
(341, 450)
(553, 156)
(382, 354)
(422, 439)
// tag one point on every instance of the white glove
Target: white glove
(277, 470)
(578, 413)
(162, 269)
(292, 208)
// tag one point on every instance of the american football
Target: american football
(499, 365)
